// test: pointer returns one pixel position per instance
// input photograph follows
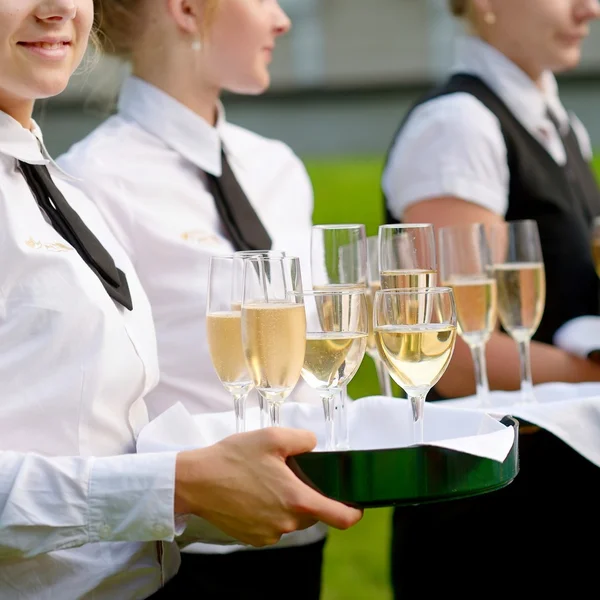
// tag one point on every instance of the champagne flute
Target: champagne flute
(373, 276)
(521, 283)
(407, 256)
(339, 261)
(335, 346)
(224, 333)
(465, 266)
(596, 244)
(273, 327)
(238, 285)
(415, 331)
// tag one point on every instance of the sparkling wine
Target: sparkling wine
(413, 278)
(476, 307)
(274, 338)
(224, 333)
(521, 297)
(416, 355)
(374, 287)
(332, 358)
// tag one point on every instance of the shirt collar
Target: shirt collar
(173, 123)
(26, 145)
(528, 102)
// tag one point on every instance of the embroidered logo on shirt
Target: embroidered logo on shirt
(52, 246)
(199, 237)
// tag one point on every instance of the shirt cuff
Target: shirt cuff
(132, 498)
(579, 336)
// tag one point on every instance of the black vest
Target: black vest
(563, 201)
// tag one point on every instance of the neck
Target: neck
(172, 77)
(533, 71)
(20, 110)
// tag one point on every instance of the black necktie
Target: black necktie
(70, 226)
(575, 163)
(239, 219)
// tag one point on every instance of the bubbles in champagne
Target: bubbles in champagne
(332, 358)
(274, 338)
(416, 355)
(224, 332)
(521, 297)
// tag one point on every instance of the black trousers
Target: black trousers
(538, 537)
(272, 574)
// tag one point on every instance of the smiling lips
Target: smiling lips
(48, 49)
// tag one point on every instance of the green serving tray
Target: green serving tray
(405, 476)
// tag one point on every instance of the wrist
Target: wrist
(183, 477)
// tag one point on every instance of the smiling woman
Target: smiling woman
(42, 53)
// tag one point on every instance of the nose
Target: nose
(56, 10)
(587, 10)
(282, 22)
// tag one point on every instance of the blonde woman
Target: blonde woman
(178, 182)
(495, 143)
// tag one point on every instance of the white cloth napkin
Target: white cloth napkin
(580, 336)
(569, 411)
(374, 422)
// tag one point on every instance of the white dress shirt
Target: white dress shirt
(453, 145)
(145, 169)
(78, 511)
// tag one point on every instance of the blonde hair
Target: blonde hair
(118, 23)
(459, 8)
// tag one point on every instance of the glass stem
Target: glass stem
(274, 413)
(341, 420)
(385, 384)
(481, 379)
(526, 377)
(417, 404)
(265, 416)
(239, 406)
(329, 410)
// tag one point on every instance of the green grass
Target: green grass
(356, 561)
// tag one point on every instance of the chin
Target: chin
(47, 87)
(567, 60)
(252, 87)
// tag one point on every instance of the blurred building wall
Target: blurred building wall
(342, 79)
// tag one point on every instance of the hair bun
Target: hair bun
(458, 7)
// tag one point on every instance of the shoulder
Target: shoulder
(251, 148)
(453, 116)
(115, 151)
(449, 146)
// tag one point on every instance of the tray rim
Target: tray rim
(413, 500)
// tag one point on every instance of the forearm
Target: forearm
(548, 363)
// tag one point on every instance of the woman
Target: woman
(495, 143)
(193, 185)
(81, 515)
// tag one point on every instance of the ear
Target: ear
(187, 14)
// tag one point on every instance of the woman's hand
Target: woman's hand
(243, 486)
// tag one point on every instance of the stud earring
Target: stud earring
(196, 45)
(489, 18)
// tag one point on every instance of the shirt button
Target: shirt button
(160, 531)
(105, 532)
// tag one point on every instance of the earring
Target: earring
(196, 45)
(489, 18)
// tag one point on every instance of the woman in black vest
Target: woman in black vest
(495, 143)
